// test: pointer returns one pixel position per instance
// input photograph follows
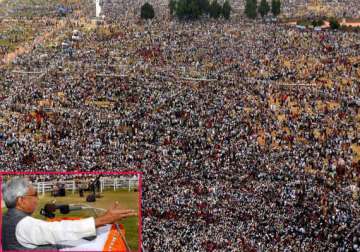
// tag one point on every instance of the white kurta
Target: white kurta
(31, 232)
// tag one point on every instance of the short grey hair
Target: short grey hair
(14, 188)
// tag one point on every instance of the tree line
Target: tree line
(252, 9)
(194, 9)
(191, 9)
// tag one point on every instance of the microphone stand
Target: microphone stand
(87, 207)
(94, 183)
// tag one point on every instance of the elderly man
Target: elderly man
(20, 231)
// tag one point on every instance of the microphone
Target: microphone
(50, 208)
(65, 209)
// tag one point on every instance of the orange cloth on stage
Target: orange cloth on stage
(114, 241)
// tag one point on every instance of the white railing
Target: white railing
(105, 183)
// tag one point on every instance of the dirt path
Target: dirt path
(26, 48)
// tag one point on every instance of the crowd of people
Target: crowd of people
(335, 8)
(247, 137)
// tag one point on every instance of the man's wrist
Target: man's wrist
(100, 221)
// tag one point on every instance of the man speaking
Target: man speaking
(20, 231)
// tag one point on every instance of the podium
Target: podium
(107, 238)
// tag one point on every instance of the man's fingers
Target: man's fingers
(116, 204)
(128, 215)
(125, 210)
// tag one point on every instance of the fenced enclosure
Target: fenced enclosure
(112, 183)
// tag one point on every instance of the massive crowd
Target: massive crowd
(248, 138)
(335, 8)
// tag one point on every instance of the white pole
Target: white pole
(114, 183)
(129, 184)
(73, 191)
(43, 188)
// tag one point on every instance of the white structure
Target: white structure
(98, 8)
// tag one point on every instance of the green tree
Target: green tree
(180, 8)
(172, 7)
(250, 8)
(194, 9)
(215, 9)
(275, 7)
(147, 11)
(264, 8)
(226, 10)
(204, 6)
(189, 9)
(334, 24)
(317, 22)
